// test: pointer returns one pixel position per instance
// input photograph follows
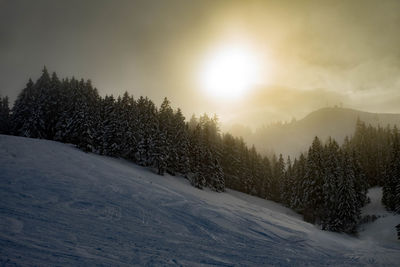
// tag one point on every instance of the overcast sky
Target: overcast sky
(319, 53)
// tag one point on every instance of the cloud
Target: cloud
(350, 49)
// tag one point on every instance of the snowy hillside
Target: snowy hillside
(61, 206)
(382, 230)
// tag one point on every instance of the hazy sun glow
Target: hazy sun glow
(230, 71)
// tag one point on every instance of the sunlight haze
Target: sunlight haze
(294, 56)
(230, 72)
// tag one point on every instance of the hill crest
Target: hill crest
(295, 137)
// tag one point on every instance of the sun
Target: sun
(229, 72)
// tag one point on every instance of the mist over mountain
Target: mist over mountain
(295, 137)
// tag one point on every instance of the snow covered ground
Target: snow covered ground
(61, 206)
(382, 230)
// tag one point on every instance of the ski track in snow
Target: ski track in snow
(61, 206)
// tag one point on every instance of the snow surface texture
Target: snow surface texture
(61, 206)
(383, 229)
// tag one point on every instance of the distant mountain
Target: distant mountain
(296, 136)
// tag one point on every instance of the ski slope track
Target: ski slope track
(61, 206)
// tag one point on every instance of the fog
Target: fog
(319, 54)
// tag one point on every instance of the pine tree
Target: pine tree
(299, 172)
(257, 173)
(110, 131)
(397, 197)
(313, 183)
(158, 151)
(278, 174)
(147, 127)
(196, 176)
(51, 105)
(5, 121)
(287, 184)
(179, 145)
(389, 197)
(266, 173)
(205, 154)
(230, 161)
(217, 180)
(21, 110)
(332, 176)
(212, 172)
(245, 180)
(360, 182)
(347, 212)
(128, 143)
(81, 125)
(29, 108)
(166, 153)
(65, 111)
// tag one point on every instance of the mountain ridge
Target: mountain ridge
(290, 139)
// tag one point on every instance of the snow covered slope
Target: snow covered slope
(61, 206)
(382, 230)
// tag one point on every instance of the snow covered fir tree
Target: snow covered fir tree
(327, 185)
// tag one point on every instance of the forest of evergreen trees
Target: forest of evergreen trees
(328, 184)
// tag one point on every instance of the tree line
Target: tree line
(328, 185)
